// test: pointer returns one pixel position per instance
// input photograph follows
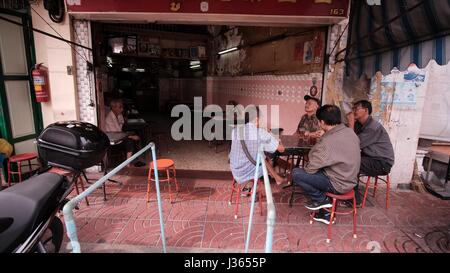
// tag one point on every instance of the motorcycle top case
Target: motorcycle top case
(72, 145)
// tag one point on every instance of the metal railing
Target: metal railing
(271, 214)
(68, 208)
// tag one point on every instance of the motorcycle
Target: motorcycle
(28, 214)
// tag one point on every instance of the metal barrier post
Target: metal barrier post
(68, 208)
(158, 196)
(271, 214)
(252, 206)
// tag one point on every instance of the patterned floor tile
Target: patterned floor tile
(223, 212)
(184, 233)
(188, 211)
(100, 230)
(193, 192)
(431, 239)
(140, 232)
(118, 208)
(223, 236)
(150, 211)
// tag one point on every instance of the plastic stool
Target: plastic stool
(18, 159)
(335, 197)
(168, 166)
(367, 183)
(236, 187)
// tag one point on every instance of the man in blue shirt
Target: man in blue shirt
(242, 167)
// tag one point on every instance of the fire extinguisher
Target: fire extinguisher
(40, 82)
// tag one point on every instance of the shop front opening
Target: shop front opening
(154, 67)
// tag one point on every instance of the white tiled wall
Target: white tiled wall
(85, 79)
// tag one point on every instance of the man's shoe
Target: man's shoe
(323, 217)
(245, 192)
(318, 205)
(139, 164)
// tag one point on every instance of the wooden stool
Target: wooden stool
(168, 166)
(342, 197)
(18, 159)
(236, 187)
(367, 183)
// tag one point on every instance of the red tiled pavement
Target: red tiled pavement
(202, 218)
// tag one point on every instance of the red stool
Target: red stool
(18, 159)
(168, 166)
(335, 197)
(236, 187)
(78, 179)
(367, 183)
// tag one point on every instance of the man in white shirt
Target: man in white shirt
(114, 122)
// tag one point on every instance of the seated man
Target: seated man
(242, 163)
(309, 122)
(377, 153)
(114, 122)
(333, 163)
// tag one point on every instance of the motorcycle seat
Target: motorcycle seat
(24, 205)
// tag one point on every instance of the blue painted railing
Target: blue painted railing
(68, 208)
(271, 214)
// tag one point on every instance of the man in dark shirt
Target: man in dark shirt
(377, 154)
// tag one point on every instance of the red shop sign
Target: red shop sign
(324, 8)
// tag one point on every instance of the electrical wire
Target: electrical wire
(72, 46)
(85, 58)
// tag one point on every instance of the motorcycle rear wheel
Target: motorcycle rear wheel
(53, 237)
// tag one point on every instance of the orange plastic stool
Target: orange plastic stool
(18, 159)
(335, 197)
(168, 166)
(367, 183)
(236, 187)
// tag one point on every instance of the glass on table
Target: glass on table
(301, 133)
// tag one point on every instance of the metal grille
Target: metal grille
(14, 4)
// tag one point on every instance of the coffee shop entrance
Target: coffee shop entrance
(156, 54)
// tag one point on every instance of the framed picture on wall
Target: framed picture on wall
(130, 46)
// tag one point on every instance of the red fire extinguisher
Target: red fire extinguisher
(40, 82)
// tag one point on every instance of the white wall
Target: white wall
(56, 55)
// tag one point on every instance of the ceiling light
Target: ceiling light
(195, 66)
(228, 50)
(194, 62)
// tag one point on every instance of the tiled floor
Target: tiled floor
(201, 220)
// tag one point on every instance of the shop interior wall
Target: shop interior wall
(275, 66)
(57, 56)
(172, 84)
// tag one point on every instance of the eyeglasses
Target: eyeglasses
(356, 108)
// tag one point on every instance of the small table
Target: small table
(140, 126)
(115, 138)
(440, 190)
(294, 146)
